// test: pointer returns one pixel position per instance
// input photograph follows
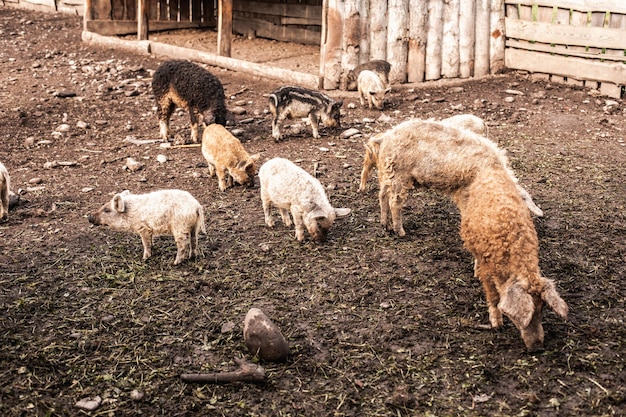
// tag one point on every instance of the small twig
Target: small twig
(239, 92)
(190, 145)
(247, 372)
(142, 141)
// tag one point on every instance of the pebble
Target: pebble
(65, 94)
(238, 110)
(509, 99)
(63, 128)
(161, 158)
(136, 395)
(35, 180)
(383, 118)
(349, 133)
(29, 142)
(89, 403)
(82, 125)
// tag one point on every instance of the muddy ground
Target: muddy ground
(377, 325)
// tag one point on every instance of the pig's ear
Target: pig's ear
(118, 203)
(517, 304)
(553, 299)
(342, 212)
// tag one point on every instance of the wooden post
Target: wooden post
(378, 29)
(330, 56)
(364, 45)
(142, 20)
(450, 46)
(467, 37)
(496, 46)
(224, 27)
(433, 43)
(87, 14)
(417, 40)
(481, 56)
(351, 35)
(397, 39)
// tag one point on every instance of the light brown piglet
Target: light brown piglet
(227, 158)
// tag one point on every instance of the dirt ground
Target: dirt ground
(377, 325)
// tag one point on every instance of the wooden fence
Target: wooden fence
(580, 42)
(422, 39)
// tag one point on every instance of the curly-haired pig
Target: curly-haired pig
(227, 158)
(289, 102)
(291, 189)
(163, 212)
(372, 90)
(378, 66)
(180, 83)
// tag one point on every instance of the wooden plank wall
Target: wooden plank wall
(119, 17)
(579, 42)
(421, 39)
(288, 22)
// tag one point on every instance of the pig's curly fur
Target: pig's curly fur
(185, 84)
(496, 226)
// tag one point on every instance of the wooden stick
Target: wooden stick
(247, 372)
(239, 92)
(189, 145)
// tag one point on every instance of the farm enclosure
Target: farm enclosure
(376, 325)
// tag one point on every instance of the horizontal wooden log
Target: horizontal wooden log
(128, 27)
(48, 3)
(578, 68)
(562, 50)
(142, 47)
(279, 9)
(293, 77)
(615, 6)
(565, 34)
(266, 29)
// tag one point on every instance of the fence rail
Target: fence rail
(580, 42)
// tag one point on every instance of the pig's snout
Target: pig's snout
(93, 219)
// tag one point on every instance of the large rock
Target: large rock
(263, 338)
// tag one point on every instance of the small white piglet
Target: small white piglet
(372, 89)
(290, 188)
(164, 212)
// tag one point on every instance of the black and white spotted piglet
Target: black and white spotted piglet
(292, 101)
(180, 83)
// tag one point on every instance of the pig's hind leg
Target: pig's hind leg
(193, 115)
(184, 245)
